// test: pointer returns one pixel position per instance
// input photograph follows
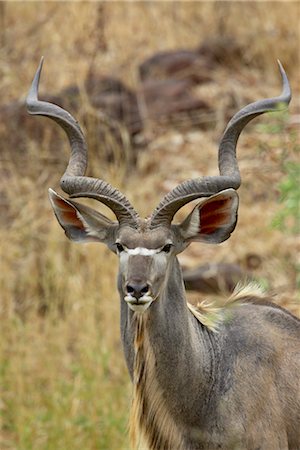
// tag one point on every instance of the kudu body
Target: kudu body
(230, 384)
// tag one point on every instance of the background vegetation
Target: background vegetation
(63, 380)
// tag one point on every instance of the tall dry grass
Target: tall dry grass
(63, 381)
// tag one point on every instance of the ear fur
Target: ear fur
(213, 220)
(81, 223)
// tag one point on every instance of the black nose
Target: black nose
(137, 290)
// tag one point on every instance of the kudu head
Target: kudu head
(147, 247)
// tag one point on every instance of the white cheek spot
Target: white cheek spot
(142, 251)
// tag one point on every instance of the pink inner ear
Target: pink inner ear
(67, 214)
(70, 218)
(215, 214)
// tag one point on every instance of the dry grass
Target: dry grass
(63, 381)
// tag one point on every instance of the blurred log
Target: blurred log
(170, 97)
(179, 64)
(214, 278)
(169, 78)
(221, 50)
(196, 65)
(116, 100)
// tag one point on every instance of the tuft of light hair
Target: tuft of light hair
(211, 315)
(251, 289)
(208, 314)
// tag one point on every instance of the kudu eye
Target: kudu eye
(120, 247)
(167, 248)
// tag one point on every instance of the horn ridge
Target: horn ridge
(186, 192)
(87, 187)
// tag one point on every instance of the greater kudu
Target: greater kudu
(227, 383)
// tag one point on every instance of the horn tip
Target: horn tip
(280, 65)
(286, 91)
(39, 69)
(32, 96)
(282, 71)
(40, 65)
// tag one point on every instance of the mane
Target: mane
(150, 425)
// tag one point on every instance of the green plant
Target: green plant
(288, 218)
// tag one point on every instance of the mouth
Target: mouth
(138, 305)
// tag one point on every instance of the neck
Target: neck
(167, 319)
(166, 349)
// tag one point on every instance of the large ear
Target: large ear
(213, 220)
(81, 223)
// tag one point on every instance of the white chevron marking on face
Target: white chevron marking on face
(142, 251)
